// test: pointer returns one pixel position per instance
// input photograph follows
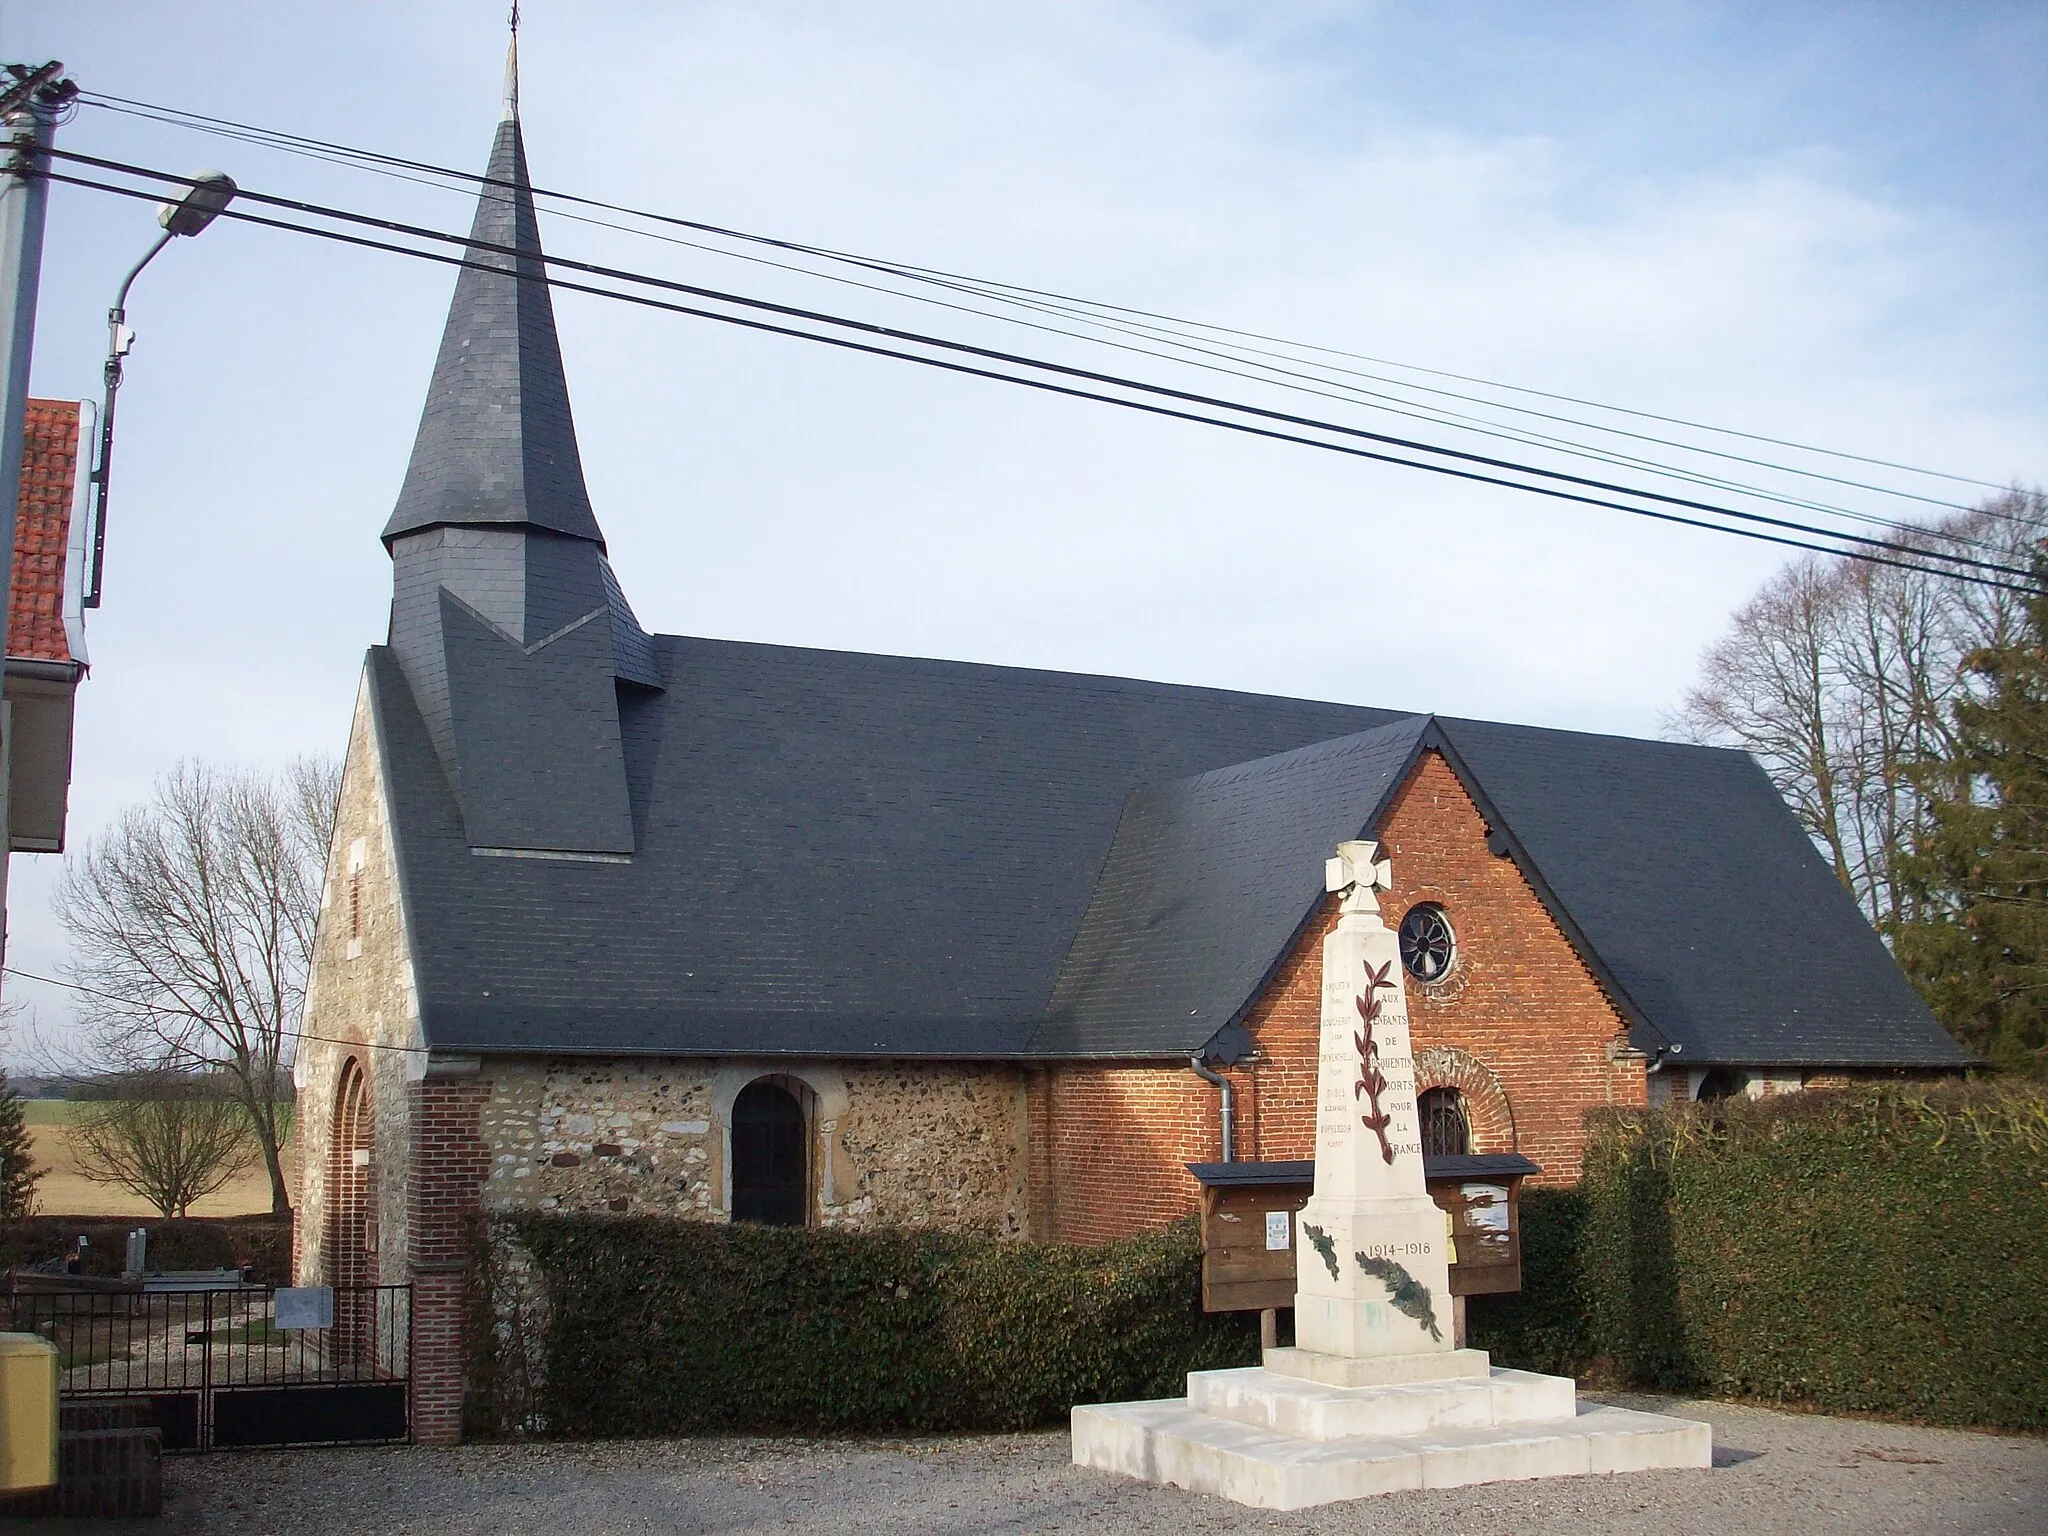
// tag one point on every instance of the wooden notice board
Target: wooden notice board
(1242, 1268)
(1486, 1232)
(1250, 1222)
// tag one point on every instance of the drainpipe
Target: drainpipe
(1657, 1063)
(1229, 1102)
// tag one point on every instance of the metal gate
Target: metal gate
(217, 1372)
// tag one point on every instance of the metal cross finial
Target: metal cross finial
(512, 69)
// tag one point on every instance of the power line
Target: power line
(1013, 359)
(1865, 544)
(1183, 342)
(129, 1002)
(1370, 399)
(1003, 292)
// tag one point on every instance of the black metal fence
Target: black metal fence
(217, 1371)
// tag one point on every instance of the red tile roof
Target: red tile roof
(42, 529)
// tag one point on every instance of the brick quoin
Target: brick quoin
(1519, 1025)
(444, 1195)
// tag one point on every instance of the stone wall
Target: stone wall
(892, 1143)
(360, 1002)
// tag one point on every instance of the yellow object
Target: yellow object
(28, 1412)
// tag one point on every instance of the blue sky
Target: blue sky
(1816, 221)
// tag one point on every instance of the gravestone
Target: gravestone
(1374, 1396)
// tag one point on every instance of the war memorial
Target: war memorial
(1374, 1396)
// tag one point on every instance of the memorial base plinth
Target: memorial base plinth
(1284, 1437)
(1376, 1370)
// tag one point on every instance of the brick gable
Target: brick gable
(1519, 1025)
(1518, 1004)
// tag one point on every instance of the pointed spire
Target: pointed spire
(497, 443)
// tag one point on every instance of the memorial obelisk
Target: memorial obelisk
(1373, 1292)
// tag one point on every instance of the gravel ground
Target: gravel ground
(1773, 1472)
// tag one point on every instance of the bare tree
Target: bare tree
(191, 923)
(1841, 677)
(168, 1137)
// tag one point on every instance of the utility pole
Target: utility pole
(29, 103)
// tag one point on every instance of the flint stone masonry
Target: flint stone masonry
(360, 1002)
(924, 1144)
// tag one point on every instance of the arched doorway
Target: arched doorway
(352, 1182)
(771, 1173)
(1446, 1128)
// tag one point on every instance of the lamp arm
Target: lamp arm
(121, 298)
(102, 474)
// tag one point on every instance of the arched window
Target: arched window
(1722, 1083)
(1445, 1130)
(771, 1174)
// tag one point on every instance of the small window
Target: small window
(355, 904)
(771, 1180)
(1445, 1130)
(1428, 947)
(1722, 1083)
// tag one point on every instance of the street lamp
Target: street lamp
(208, 194)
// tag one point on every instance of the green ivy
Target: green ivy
(658, 1327)
(1868, 1251)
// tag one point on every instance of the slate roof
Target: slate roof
(856, 855)
(1205, 887)
(1696, 890)
(497, 443)
(833, 853)
(1681, 877)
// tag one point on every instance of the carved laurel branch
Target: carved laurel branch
(1371, 1081)
(1323, 1244)
(1409, 1296)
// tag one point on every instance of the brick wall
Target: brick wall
(1115, 1138)
(1518, 1005)
(444, 1193)
(1518, 1025)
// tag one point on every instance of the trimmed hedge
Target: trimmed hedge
(219, 1242)
(1863, 1251)
(1547, 1325)
(612, 1326)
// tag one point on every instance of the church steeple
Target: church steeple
(505, 615)
(496, 443)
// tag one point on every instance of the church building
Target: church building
(624, 922)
